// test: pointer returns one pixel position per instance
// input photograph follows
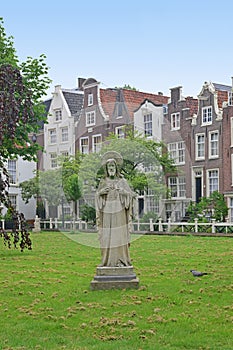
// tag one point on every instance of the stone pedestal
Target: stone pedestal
(114, 278)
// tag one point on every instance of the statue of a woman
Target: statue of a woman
(114, 211)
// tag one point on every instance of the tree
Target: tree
(70, 179)
(127, 87)
(139, 155)
(212, 207)
(22, 85)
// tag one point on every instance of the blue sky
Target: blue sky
(152, 45)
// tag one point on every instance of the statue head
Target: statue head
(112, 162)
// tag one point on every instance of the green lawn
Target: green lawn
(46, 301)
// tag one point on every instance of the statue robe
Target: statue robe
(114, 218)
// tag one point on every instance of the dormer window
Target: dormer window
(58, 115)
(90, 100)
(207, 115)
(90, 118)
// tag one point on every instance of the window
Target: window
(207, 115)
(66, 211)
(84, 145)
(52, 136)
(230, 98)
(177, 186)
(119, 130)
(53, 160)
(90, 100)
(64, 134)
(200, 146)
(152, 202)
(231, 209)
(65, 154)
(12, 171)
(90, 118)
(58, 115)
(212, 178)
(175, 121)
(213, 144)
(96, 143)
(177, 152)
(148, 124)
(13, 200)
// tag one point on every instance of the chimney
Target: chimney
(176, 94)
(80, 83)
(160, 93)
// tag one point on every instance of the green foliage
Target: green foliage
(87, 213)
(127, 87)
(138, 154)
(213, 207)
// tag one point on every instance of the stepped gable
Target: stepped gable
(192, 104)
(222, 91)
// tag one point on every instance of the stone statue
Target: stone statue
(114, 212)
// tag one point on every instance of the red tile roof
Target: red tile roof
(192, 104)
(132, 99)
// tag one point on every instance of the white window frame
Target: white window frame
(52, 136)
(206, 115)
(90, 118)
(177, 185)
(175, 121)
(90, 99)
(177, 152)
(213, 145)
(53, 160)
(58, 115)
(83, 145)
(148, 124)
(96, 146)
(12, 171)
(119, 131)
(230, 206)
(232, 169)
(197, 147)
(64, 134)
(211, 187)
(152, 202)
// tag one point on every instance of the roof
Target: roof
(132, 99)
(74, 99)
(192, 104)
(222, 91)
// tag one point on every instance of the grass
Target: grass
(46, 302)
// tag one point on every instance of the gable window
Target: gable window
(96, 143)
(200, 146)
(52, 136)
(175, 121)
(213, 180)
(148, 124)
(177, 186)
(58, 115)
(90, 118)
(230, 98)
(12, 171)
(64, 134)
(177, 152)
(119, 130)
(213, 144)
(207, 115)
(53, 160)
(84, 145)
(90, 100)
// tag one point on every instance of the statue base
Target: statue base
(114, 278)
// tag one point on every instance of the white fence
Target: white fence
(212, 227)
